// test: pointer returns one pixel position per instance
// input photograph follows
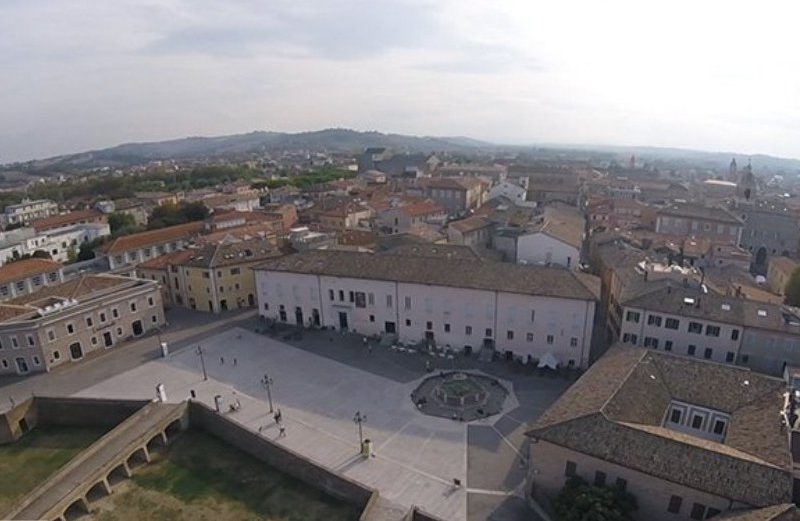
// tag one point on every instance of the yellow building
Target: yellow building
(214, 277)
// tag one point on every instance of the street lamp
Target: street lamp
(359, 419)
(202, 362)
(266, 381)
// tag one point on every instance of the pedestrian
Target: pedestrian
(235, 362)
(282, 431)
(221, 361)
(276, 417)
(364, 340)
(369, 348)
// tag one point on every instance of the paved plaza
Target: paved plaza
(320, 383)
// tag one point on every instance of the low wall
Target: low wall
(84, 412)
(283, 459)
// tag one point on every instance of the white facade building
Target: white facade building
(525, 310)
(28, 211)
(544, 248)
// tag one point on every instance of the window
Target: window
(570, 469)
(654, 320)
(745, 359)
(632, 316)
(729, 357)
(119, 331)
(154, 319)
(711, 512)
(447, 328)
(372, 318)
(468, 330)
(428, 325)
(509, 335)
(529, 337)
(5, 363)
(672, 323)
(408, 302)
(533, 315)
(695, 327)
(115, 313)
(707, 353)
(651, 342)
(36, 360)
(330, 294)
(89, 322)
(70, 328)
(388, 301)
(352, 296)
(675, 416)
(51, 335)
(151, 302)
(361, 299)
(488, 332)
(341, 295)
(697, 421)
(206, 275)
(674, 504)
(668, 345)
(102, 317)
(21, 285)
(133, 307)
(599, 479)
(56, 355)
(621, 484)
(712, 330)
(31, 341)
(719, 427)
(236, 271)
(94, 340)
(690, 350)
(14, 342)
(573, 342)
(550, 340)
(698, 511)
(371, 299)
(735, 334)
(408, 322)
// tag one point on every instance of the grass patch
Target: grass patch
(37, 455)
(201, 477)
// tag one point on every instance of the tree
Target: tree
(121, 223)
(86, 251)
(579, 501)
(173, 214)
(792, 290)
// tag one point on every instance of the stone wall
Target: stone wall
(18, 420)
(281, 458)
(84, 412)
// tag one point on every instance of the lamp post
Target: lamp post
(202, 362)
(267, 383)
(360, 419)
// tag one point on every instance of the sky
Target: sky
(710, 75)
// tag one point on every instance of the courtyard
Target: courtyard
(453, 469)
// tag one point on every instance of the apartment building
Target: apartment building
(27, 211)
(686, 321)
(27, 276)
(58, 243)
(456, 194)
(689, 439)
(523, 311)
(472, 231)
(125, 252)
(779, 272)
(214, 277)
(690, 219)
(64, 322)
(402, 218)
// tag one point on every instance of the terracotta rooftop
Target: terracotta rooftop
(470, 224)
(452, 183)
(25, 268)
(422, 208)
(162, 261)
(451, 272)
(65, 219)
(218, 255)
(698, 211)
(616, 409)
(153, 237)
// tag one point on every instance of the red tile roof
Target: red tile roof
(153, 237)
(66, 219)
(25, 268)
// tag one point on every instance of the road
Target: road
(185, 327)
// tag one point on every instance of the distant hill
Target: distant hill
(331, 140)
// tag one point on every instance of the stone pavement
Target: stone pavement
(416, 456)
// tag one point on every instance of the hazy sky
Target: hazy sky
(78, 75)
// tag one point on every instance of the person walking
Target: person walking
(221, 361)
(235, 361)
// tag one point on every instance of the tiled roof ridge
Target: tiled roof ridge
(613, 394)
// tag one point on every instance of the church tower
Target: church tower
(746, 186)
(733, 174)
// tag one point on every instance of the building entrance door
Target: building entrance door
(343, 321)
(136, 327)
(390, 328)
(298, 316)
(76, 351)
(107, 339)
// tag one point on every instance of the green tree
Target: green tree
(86, 251)
(792, 290)
(121, 222)
(579, 501)
(173, 214)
